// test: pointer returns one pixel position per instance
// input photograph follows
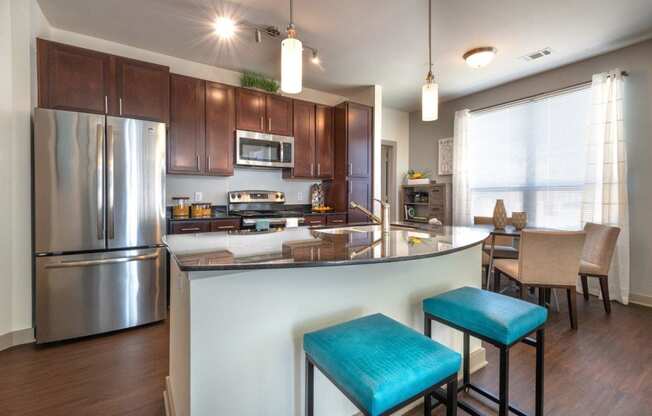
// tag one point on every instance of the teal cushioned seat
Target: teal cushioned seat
(379, 362)
(498, 317)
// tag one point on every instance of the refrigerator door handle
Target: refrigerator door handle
(84, 263)
(110, 220)
(100, 181)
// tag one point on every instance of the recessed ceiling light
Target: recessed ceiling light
(480, 57)
(224, 27)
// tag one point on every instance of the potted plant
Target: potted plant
(258, 81)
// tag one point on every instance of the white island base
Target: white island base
(236, 336)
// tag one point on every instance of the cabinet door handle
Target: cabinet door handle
(269, 124)
(350, 169)
(337, 221)
(261, 124)
(225, 227)
(312, 169)
(208, 163)
(120, 104)
(191, 229)
(106, 104)
(197, 162)
(318, 169)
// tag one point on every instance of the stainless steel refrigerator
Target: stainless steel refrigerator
(99, 218)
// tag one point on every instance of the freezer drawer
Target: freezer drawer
(79, 295)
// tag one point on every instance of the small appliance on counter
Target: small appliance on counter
(262, 209)
(316, 196)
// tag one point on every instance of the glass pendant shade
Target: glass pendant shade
(291, 65)
(430, 101)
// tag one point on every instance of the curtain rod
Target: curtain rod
(540, 95)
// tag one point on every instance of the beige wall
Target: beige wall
(637, 61)
(20, 22)
(396, 129)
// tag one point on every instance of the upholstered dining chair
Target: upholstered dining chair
(596, 258)
(548, 260)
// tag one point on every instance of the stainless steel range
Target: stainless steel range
(260, 208)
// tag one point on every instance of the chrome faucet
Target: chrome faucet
(383, 220)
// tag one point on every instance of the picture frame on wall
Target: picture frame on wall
(445, 160)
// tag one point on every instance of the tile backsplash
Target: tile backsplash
(214, 188)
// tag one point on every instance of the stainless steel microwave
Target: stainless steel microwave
(260, 149)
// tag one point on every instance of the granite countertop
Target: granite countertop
(311, 247)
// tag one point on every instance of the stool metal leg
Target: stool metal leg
(451, 397)
(503, 404)
(310, 388)
(427, 327)
(539, 374)
(467, 358)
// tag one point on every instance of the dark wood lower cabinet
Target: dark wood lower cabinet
(189, 227)
(225, 225)
(314, 220)
(335, 219)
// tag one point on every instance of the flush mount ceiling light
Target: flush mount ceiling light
(291, 59)
(480, 57)
(430, 90)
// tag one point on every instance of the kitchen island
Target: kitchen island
(241, 302)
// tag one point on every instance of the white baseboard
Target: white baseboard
(643, 300)
(19, 337)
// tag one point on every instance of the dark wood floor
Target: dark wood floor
(605, 368)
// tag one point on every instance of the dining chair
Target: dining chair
(596, 258)
(503, 248)
(548, 260)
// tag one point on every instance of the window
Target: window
(532, 155)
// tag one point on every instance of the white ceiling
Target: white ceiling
(366, 42)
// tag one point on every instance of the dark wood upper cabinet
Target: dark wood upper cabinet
(142, 90)
(71, 78)
(250, 110)
(187, 125)
(220, 128)
(304, 140)
(359, 139)
(324, 141)
(279, 115)
(76, 79)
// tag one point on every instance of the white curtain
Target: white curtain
(461, 189)
(605, 192)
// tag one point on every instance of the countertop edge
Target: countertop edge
(264, 266)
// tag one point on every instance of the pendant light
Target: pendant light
(430, 90)
(291, 59)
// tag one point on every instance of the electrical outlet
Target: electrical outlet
(299, 196)
(199, 196)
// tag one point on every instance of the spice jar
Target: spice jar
(201, 210)
(180, 207)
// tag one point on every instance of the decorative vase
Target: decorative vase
(500, 215)
(519, 219)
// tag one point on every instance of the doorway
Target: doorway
(388, 176)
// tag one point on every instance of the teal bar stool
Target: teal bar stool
(381, 365)
(499, 320)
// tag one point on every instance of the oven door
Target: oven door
(268, 150)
